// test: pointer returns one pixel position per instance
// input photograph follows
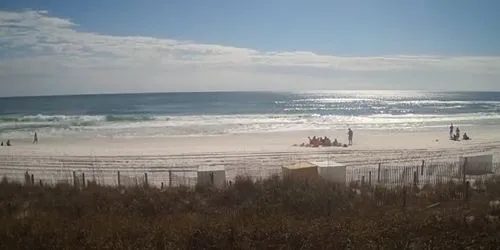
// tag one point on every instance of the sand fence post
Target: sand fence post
(466, 195)
(169, 178)
(118, 178)
(404, 177)
(370, 178)
(83, 180)
(32, 179)
(464, 168)
(422, 167)
(41, 183)
(415, 179)
(378, 175)
(404, 197)
(27, 179)
(75, 182)
(146, 179)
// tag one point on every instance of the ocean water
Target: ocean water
(184, 114)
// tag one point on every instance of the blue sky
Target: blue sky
(447, 27)
(441, 29)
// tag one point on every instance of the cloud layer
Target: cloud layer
(43, 54)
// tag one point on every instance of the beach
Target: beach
(254, 154)
(483, 138)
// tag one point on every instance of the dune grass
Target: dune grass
(269, 214)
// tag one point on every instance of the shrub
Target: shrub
(270, 213)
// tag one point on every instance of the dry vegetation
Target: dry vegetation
(270, 214)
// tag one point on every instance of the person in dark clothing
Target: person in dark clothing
(350, 135)
(466, 137)
(451, 131)
(35, 139)
(8, 142)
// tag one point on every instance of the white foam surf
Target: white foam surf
(59, 126)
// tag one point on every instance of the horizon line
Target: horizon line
(245, 91)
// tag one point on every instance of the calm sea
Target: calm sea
(215, 113)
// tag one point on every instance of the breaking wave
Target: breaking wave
(60, 125)
(84, 120)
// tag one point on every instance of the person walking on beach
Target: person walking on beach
(35, 139)
(451, 131)
(350, 134)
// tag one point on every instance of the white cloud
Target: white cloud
(42, 54)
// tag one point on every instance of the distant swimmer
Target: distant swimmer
(350, 135)
(35, 139)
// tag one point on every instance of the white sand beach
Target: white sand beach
(267, 148)
(256, 155)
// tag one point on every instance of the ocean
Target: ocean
(216, 113)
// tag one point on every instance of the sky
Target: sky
(85, 47)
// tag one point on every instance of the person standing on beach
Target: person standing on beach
(35, 139)
(350, 134)
(451, 131)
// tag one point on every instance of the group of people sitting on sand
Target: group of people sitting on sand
(322, 142)
(456, 136)
(326, 142)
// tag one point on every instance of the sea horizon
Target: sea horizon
(250, 91)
